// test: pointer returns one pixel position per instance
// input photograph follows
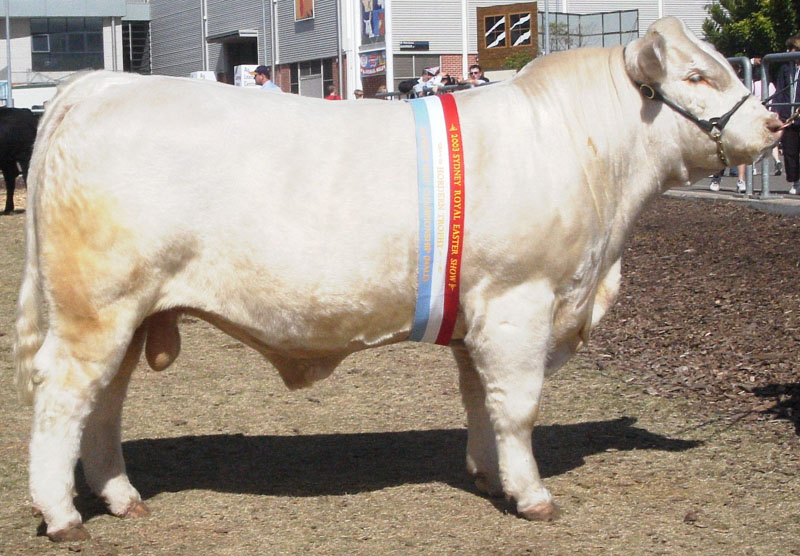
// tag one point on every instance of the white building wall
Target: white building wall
(692, 12)
(109, 48)
(20, 51)
(439, 22)
(435, 21)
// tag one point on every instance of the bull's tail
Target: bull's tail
(29, 326)
(30, 307)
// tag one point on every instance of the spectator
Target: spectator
(429, 82)
(381, 94)
(263, 80)
(789, 96)
(476, 76)
(358, 94)
(331, 93)
(406, 87)
(715, 180)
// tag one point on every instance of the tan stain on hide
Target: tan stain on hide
(592, 146)
(89, 266)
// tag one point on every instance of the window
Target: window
(598, 29)
(495, 31)
(40, 43)
(66, 43)
(520, 29)
(327, 73)
(505, 31)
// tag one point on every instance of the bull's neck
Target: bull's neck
(617, 141)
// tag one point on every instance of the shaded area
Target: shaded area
(782, 400)
(709, 307)
(338, 464)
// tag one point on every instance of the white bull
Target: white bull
(312, 253)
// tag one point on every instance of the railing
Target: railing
(765, 62)
(747, 70)
(441, 89)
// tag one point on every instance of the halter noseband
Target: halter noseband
(712, 126)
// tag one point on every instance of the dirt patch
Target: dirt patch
(653, 441)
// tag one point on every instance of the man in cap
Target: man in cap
(262, 74)
(429, 82)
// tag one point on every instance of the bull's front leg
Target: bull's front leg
(507, 344)
(481, 446)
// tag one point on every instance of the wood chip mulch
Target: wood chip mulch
(709, 308)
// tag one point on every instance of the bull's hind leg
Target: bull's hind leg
(101, 449)
(508, 343)
(76, 362)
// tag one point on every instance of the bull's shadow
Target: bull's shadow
(787, 401)
(334, 464)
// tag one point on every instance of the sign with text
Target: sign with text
(373, 63)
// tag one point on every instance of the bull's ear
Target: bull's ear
(646, 59)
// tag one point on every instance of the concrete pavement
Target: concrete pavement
(779, 201)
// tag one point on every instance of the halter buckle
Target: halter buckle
(648, 91)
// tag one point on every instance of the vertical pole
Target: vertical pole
(264, 29)
(10, 99)
(273, 24)
(464, 40)
(389, 50)
(339, 47)
(113, 43)
(765, 164)
(356, 21)
(204, 32)
(546, 27)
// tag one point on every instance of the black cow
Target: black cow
(17, 134)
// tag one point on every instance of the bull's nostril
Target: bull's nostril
(774, 125)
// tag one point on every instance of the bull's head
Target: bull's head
(723, 124)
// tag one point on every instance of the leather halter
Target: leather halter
(712, 126)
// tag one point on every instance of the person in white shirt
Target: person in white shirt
(429, 83)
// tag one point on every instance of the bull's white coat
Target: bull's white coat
(311, 252)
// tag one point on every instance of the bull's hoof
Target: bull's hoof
(74, 533)
(544, 511)
(137, 509)
(489, 487)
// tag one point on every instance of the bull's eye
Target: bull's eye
(697, 79)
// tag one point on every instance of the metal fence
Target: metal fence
(766, 61)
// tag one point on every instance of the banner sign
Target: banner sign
(373, 63)
(440, 183)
